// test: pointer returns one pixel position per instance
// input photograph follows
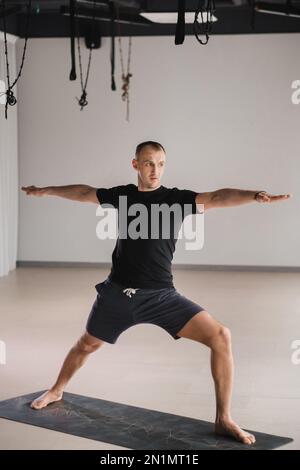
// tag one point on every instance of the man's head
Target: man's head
(149, 162)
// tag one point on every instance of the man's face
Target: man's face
(150, 166)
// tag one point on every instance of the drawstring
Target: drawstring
(130, 290)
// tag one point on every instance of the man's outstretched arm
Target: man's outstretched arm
(75, 192)
(229, 197)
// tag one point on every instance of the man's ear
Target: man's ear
(134, 163)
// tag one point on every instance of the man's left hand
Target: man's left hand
(263, 196)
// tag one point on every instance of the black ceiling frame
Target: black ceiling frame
(11, 11)
(86, 13)
(231, 20)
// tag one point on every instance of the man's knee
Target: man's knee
(221, 340)
(88, 344)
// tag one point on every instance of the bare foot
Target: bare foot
(229, 428)
(45, 399)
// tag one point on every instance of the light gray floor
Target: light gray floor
(44, 310)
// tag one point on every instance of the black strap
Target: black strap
(180, 26)
(72, 38)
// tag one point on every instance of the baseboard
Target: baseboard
(193, 267)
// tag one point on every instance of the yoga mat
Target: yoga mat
(127, 426)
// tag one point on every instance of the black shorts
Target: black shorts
(117, 308)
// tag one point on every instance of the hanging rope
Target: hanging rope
(204, 28)
(10, 97)
(125, 77)
(82, 101)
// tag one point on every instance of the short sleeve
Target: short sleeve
(187, 200)
(110, 196)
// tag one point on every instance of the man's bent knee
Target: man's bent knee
(88, 343)
(221, 340)
(204, 329)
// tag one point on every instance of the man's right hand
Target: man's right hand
(34, 191)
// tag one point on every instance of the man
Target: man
(139, 288)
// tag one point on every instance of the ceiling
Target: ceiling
(48, 18)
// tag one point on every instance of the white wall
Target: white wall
(223, 112)
(9, 194)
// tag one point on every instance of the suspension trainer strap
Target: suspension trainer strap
(72, 38)
(180, 27)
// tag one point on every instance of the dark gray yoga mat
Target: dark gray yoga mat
(127, 426)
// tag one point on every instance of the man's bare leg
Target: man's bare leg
(73, 361)
(205, 329)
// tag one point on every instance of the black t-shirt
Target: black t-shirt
(145, 261)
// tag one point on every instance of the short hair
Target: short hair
(151, 143)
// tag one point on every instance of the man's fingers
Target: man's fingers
(280, 197)
(27, 190)
(30, 189)
(265, 197)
